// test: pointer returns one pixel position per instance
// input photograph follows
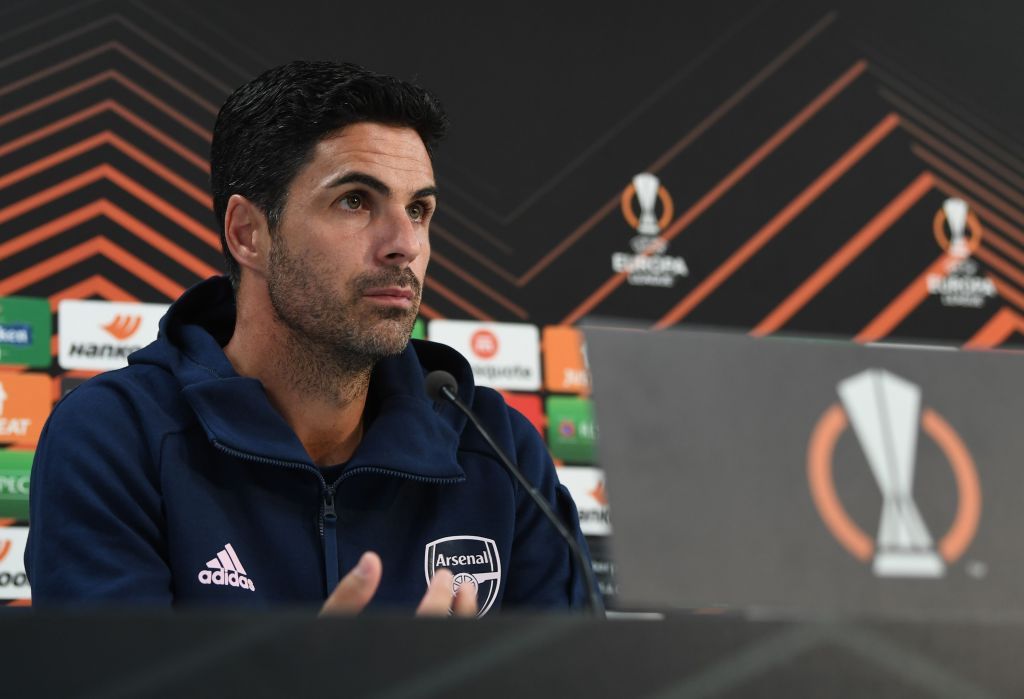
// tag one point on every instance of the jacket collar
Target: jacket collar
(406, 433)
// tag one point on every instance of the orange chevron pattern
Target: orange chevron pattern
(105, 129)
(997, 330)
(103, 169)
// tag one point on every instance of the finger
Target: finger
(438, 599)
(356, 589)
(465, 601)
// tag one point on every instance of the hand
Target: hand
(357, 588)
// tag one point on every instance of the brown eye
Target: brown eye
(352, 201)
(416, 212)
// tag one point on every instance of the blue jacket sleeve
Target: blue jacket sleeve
(546, 574)
(96, 533)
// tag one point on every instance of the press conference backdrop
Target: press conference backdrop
(854, 169)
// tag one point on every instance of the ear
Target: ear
(247, 234)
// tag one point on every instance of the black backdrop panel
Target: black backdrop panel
(805, 148)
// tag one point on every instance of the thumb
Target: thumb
(356, 589)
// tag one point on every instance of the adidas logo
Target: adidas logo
(226, 570)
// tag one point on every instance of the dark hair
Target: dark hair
(267, 128)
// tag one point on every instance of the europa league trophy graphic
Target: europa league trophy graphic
(646, 186)
(956, 218)
(884, 411)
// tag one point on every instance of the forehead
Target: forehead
(393, 154)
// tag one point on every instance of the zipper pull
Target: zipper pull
(330, 515)
(330, 542)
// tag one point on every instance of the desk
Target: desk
(230, 654)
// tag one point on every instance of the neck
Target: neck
(320, 392)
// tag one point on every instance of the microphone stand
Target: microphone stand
(595, 603)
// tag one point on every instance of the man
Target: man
(277, 434)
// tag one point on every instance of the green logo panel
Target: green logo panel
(15, 466)
(26, 325)
(571, 431)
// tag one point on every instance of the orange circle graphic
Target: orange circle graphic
(973, 225)
(626, 203)
(484, 344)
(820, 450)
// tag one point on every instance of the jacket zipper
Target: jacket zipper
(329, 537)
(328, 514)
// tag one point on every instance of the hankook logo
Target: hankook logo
(123, 326)
(886, 414)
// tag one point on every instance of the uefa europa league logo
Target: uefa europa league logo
(957, 229)
(887, 415)
(646, 186)
(646, 191)
(956, 218)
(885, 411)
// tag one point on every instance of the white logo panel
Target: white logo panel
(502, 355)
(99, 335)
(586, 485)
(13, 581)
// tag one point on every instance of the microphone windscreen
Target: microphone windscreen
(438, 379)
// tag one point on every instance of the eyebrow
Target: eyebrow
(378, 186)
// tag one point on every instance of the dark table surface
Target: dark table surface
(191, 654)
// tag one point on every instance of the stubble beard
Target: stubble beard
(335, 339)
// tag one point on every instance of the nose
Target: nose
(403, 240)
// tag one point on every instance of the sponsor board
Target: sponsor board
(571, 430)
(530, 406)
(25, 329)
(502, 355)
(69, 384)
(25, 402)
(586, 485)
(15, 466)
(419, 330)
(13, 580)
(604, 568)
(99, 335)
(565, 360)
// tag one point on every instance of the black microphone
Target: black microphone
(441, 385)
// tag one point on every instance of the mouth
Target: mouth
(397, 296)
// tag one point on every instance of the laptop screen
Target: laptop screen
(800, 475)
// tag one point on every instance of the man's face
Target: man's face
(349, 255)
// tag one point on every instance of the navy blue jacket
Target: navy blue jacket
(174, 481)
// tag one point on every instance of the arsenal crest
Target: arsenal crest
(473, 560)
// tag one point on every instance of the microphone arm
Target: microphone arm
(442, 384)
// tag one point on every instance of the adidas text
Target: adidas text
(226, 578)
